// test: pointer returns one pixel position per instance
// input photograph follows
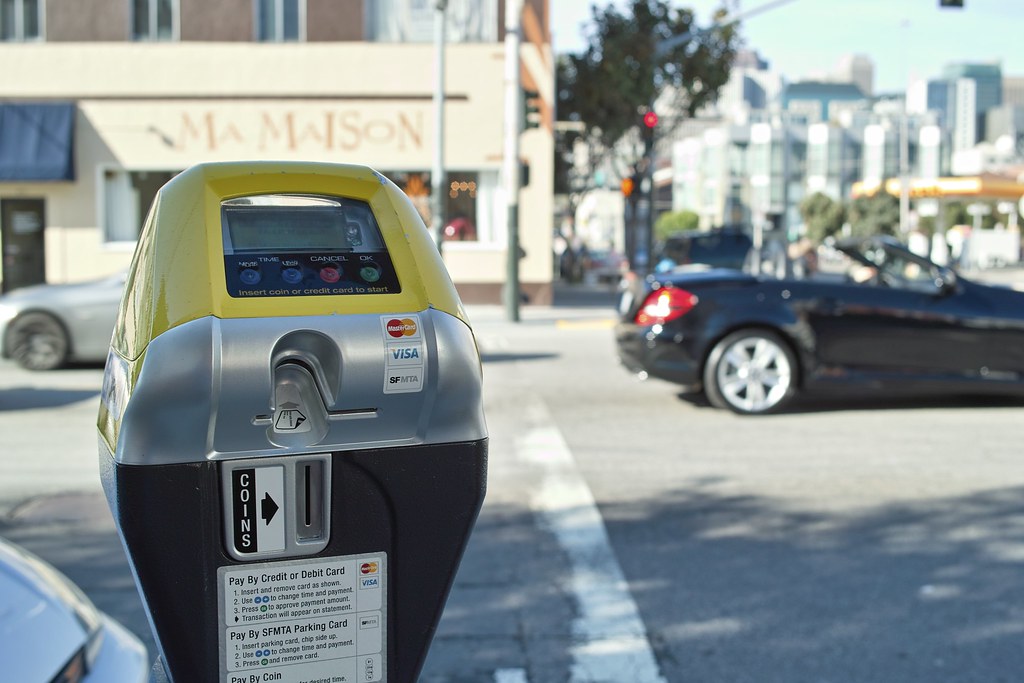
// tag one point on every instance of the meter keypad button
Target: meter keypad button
(330, 274)
(295, 273)
(370, 272)
(250, 276)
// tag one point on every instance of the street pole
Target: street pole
(513, 125)
(437, 174)
(905, 145)
(647, 241)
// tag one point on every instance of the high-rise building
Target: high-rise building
(746, 173)
(859, 70)
(1013, 90)
(964, 105)
(752, 86)
(987, 93)
(961, 99)
(1005, 125)
(988, 79)
(817, 100)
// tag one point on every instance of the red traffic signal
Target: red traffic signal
(627, 186)
(650, 119)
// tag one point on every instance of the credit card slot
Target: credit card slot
(311, 498)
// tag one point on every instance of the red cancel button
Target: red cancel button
(330, 274)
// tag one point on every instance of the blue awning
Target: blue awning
(37, 141)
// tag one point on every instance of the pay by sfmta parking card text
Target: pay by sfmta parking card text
(304, 621)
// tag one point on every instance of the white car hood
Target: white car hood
(39, 629)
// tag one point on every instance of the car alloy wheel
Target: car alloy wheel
(37, 341)
(750, 372)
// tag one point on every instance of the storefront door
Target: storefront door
(21, 231)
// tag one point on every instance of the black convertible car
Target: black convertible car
(869, 315)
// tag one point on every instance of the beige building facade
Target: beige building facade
(147, 109)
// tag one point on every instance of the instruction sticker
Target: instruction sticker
(304, 621)
(404, 354)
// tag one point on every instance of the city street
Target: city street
(634, 534)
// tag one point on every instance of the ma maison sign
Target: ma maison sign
(299, 130)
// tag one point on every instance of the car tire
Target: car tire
(751, 372)
(37, 341)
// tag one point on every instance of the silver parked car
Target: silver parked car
(46, 326)
(51, 633)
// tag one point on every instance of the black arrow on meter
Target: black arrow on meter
(268, 508)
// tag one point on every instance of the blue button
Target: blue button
(250, 276)
(292, 276)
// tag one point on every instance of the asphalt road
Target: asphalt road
(631, 533)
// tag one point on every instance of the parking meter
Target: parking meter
(292, 439)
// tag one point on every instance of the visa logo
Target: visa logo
(369, 583)
(405, 353)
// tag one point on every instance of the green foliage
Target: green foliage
(955, 213)
(611, 84)
(822, 215)
(672, 222)
(877, 215)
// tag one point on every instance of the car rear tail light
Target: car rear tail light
(662, 305)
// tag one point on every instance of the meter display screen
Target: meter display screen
(297, 245)
(275, 230)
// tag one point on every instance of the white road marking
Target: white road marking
(609, 639)
(510, 676)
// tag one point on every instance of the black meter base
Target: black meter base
(416, 507)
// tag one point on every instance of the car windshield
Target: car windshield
(871, 262)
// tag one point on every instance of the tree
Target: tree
(877, 215)
(675, 221)
(611, 84)
(953, 213)
(822, 215)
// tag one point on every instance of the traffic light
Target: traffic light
(531, 109)
(650, 121)
(959, 4)
(627, 187)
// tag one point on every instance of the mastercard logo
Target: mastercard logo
(368, 568)
(406, 327)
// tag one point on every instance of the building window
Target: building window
(412, 21)
(470, 203)
(154, 19)
(21, 20)
(279, 21)
(127, 196)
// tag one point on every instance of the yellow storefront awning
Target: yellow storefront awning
(985, 186)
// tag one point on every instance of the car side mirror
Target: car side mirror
(945, 280)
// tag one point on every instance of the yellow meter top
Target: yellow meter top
(179, 272)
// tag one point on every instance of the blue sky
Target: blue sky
(905, 38)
